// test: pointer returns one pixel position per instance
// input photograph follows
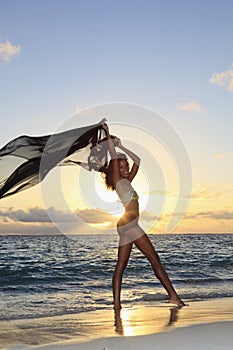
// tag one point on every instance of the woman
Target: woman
(119, 177)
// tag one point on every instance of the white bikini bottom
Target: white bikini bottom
(128, 229)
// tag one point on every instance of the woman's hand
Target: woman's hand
(103, 121)
(117, 141)
(104, 125)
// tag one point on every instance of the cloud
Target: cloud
(167, 194)
(28, 228)
(95, 216)
(190, 106)
(54, 221)
(223, 79)
(203, 215)
(212, 215)
(77, 109)
(216, 192)
(31, 215)
(40, 215)
(158, 193)
(7, 50)
(148, 216)
(219, 155)
(222, 155)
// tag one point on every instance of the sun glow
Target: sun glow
(108, 200)
(104, 194)
(87, 190)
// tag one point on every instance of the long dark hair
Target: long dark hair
(108, 172)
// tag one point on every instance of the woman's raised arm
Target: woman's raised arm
(134, 157)
(113, 153)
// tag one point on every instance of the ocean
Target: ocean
(55, 275)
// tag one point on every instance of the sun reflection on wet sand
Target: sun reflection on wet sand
(131, 322)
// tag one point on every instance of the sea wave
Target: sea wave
(53, 275)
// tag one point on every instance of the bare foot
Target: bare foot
(176, 301)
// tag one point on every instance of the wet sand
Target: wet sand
(210, 321)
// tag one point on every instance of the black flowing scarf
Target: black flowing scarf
(26, 160)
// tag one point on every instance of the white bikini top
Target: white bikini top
(126, 192)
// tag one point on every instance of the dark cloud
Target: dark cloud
(40, 215)
(31, 215)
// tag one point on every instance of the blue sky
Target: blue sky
(57, 56)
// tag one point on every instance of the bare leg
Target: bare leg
(145, 246)
(123, 258)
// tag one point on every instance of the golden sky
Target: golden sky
(172, 59)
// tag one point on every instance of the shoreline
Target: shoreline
(99, 327)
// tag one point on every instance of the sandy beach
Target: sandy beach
(199, 325)
(214, 336)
